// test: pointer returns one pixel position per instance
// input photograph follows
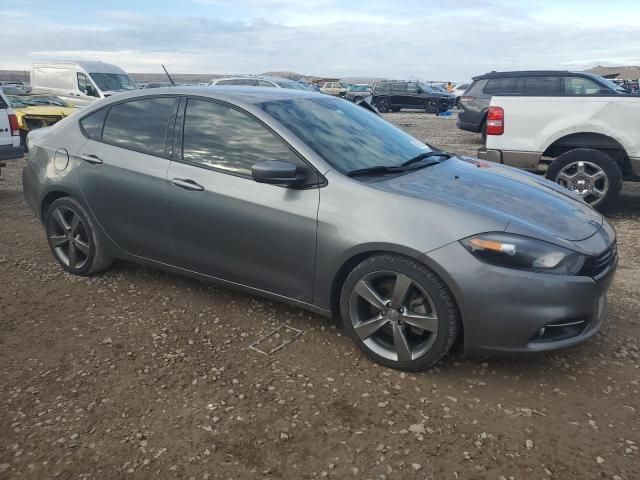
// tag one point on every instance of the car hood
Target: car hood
(42, 111)
(528, 204)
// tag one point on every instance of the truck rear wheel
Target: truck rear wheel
(592, 174)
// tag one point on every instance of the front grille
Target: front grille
(599, 264)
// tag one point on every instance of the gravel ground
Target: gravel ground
(137, 373)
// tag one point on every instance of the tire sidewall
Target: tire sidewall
(597, 157)
(447, 316)
(94, 240)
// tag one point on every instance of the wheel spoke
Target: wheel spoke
(369, 327)
(596, 193)
(401, 344)
(366, 291)
(58, 240)
(82, 246)
(580, 167)
(60, 220)
(72, 255)
(400, 290)
(423, 322)
(596, 176)
(75, 221)
(565, 176)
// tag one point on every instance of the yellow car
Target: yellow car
(37, 111)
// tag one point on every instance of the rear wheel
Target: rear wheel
(483, 132)
(73, 238)
(592, 174)
(384, 105)
(399, 312)
(395, 109)
(357, 99)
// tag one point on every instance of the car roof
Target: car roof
(257, 77)
(231, 93)
(529, 73)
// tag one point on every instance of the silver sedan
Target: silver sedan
(318, 202)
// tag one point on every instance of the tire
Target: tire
(483, 132)
(378, 327)
(383, 105)
(592, 174)
(431, 106)
(23, 140)
(395, 109)
(357, 99)
(74, 239)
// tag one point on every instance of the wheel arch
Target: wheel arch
(49, 198)
(594, 140)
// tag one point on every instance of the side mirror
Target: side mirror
(276, 172)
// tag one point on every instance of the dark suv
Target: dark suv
(391, 96)
(475, 101)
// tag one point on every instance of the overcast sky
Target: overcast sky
(438, 40)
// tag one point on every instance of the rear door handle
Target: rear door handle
(93, 159)
(187, 184)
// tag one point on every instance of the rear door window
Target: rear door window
(225, 82)
(140, 125)
(262, 83)
(400, 87)
(502, 86)
(542, 85)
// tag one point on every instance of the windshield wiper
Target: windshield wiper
(424, 156)
(375, 170)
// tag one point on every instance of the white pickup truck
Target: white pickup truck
(588, 144)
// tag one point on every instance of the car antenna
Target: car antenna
(169, 76)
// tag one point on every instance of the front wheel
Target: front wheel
(399, 312)
(592, 174)
(431, 106)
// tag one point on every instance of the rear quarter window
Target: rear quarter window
(91, 125)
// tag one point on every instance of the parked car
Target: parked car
(459, 91)
(158, 84)
(262, 81)
(394, 95)
(37, 111)
(20, 88)
(9, 132)
(356, 93)
(79, 83)
(263, 190)
(475, 102)
(337, 89)
(586, 142)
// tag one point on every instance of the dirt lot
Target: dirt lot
(137, 373)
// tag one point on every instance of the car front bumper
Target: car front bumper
(505, 310)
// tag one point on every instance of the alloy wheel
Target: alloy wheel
(69, 238)
(586, 179)
(393, 316)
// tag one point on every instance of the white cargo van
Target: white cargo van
(9, 132)
(79, 82)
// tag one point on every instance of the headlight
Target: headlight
(524, 253)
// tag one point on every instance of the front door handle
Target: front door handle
(187, 184)
(93, 159)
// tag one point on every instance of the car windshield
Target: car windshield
(294, 86)
(346, 136)
(613, 85)
(113, 81)
(35, 101)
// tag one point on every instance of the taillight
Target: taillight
(495, 121)
(13, 124)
